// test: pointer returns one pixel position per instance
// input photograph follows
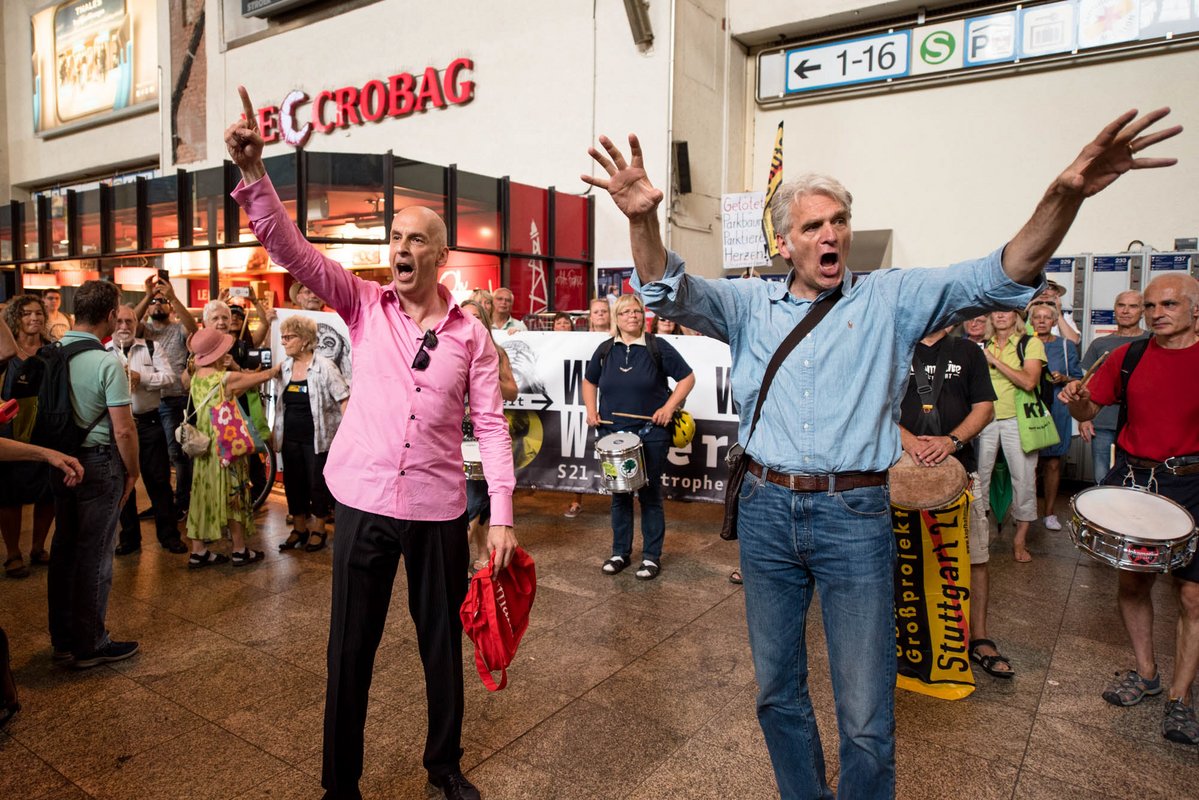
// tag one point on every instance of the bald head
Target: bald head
(1180, 282)
(417, 250)
(434, 224)
(1172, 307)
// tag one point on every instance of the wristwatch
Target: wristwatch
(958, 444)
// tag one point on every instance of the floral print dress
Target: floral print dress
(220, 494)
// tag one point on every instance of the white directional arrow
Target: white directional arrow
(530, 402)
(873, 58)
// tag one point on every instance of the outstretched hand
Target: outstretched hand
(244, 142)
(1113, 152)
(627, 182)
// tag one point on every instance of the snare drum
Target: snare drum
(472, 460)
(1132, 529)
(622, 462)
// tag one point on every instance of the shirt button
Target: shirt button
(406, 444)
(412, 416)
(418, 388)
(807, 363)
(805, 426)
(401, 472)
(807, 459)
(806, 393)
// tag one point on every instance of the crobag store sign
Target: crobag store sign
(295, 119)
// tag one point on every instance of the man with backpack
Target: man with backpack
(1155, 384)
(84, 410)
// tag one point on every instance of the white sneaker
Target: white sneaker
(1051, 523)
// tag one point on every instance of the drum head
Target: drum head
(1133, 512)
(618, 442)
(471, 452)
(917, 486)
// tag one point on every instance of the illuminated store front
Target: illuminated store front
(534, 240)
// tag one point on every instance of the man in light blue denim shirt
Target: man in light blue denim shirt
(814, 508)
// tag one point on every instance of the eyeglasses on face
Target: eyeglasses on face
(428, 342)
(287, 337)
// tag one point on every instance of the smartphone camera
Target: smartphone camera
(239, 291)
(263, 356)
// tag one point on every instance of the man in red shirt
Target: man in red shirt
(1158, 448)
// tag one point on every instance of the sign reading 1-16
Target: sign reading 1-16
(874, 58)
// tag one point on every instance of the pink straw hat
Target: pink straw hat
(209, 345)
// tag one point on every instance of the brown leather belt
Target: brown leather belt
(828, 482)
(1175, 465)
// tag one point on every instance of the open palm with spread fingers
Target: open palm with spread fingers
(627, 182)
(1114, 152)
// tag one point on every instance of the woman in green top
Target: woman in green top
(1008, 372)
(220, 494)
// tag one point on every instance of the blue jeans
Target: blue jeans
(1101, 453)
(170, 410)
(653, 518)
(793, 545)
(80, 576)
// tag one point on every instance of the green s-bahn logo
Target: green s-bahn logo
(937, 47)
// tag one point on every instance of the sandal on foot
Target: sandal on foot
(316, 541)
(614, 565)
(39, 557)
(1129, 688)
(205, 559)
(242, 557)
(574, 510)
(735, 577)
(15, 568)
(1179, 723)
(990, 663)
(647, 571)
(296, 540)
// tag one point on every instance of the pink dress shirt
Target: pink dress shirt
(398, 452)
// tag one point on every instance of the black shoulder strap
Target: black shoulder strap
(604, 349)
(150, 347)
(1022, 348)
(655, 353)
(805, 326)
(927, 393)
(1132, 357)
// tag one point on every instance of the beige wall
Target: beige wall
(31, 160)
(956, 170)
(761, 21)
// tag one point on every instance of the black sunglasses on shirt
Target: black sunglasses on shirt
(428, 342)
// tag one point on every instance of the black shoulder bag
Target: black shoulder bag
(736, 459)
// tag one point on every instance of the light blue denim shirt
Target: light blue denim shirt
(834, 404)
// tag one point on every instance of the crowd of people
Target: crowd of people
(382, 451)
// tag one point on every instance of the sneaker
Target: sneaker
(648, 571)
(113, 651)
(1129, 688)
(1051, 523)
(455, 786)
(574, 511)
(614, 565)
(1179, 723)
(63, 657)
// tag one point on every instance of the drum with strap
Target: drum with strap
(917, 486)
(1132, 529)
(622, 462)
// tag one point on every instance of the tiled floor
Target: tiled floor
(621, 688)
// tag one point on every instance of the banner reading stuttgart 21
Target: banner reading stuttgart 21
(554, 449)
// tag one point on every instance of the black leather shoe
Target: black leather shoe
(455, 786)
(175, 546)
(126, 549)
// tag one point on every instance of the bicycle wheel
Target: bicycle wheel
(271, 468)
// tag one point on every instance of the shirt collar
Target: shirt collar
(639, 340)
(455, 312)
(777, 291)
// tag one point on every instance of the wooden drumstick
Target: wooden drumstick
(1090, 372)
(631, 416)
(606, 422)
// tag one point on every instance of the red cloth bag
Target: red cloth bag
(495, 614)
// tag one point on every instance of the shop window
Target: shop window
(572, 226)
(208, 202)
(570, 287)
(6, 233)
(478, 211)
(346, 195)
(31, 251)
(528, 219)
(58, 224)
(87, 206)
(419, 184)
(124, 213)
(465, 272)
(528, 280)
(163, 196)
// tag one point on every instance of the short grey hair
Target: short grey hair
(791, 191)
(213, 306)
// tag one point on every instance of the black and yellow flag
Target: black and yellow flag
(772, 185)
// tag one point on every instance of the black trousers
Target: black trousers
(155, 461)
(304, 479)
(366, 555)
